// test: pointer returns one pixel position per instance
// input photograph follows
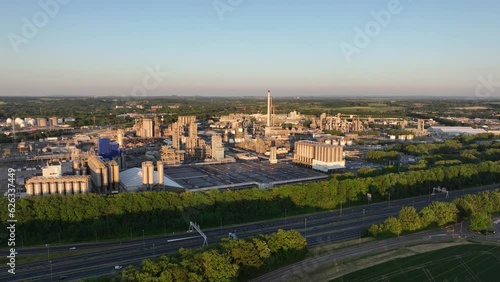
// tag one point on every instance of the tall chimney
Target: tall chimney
(269, 106)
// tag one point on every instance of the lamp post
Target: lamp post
(363, 216)
(305, 226)
(143, 241)
(59, 238)
(153, 249)
(48, 251)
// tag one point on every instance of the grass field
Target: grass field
(472, 262)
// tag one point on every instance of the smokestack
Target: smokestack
(269, 106)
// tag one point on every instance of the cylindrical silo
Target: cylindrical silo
(84, 187)
(45, 188)
(53, 187)
(38, 188)
(68, 188)
(76, 186)
(159, 168)
(29, 189)
(60, 188)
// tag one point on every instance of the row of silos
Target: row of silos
(148, 173)
(65, 185)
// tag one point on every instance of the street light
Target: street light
(153, 249)
(143, 242)
(305, 227)
(59, 238)
(48, 251)
(363, 216)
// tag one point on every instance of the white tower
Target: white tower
(269, 108)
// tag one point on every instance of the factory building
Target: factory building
(172, 156)
(53, 121)
(272, 155)
(109, 150)
(113, 175)
(320, 156)
(63, 185)
(147, 174)
(186, 120)
(41, 122)
(451, 131)
(217, 148)
(131, 180)
(99, 174)
(119, 137)
(52, 170)
(144, 128)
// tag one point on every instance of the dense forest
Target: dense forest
(231, 260)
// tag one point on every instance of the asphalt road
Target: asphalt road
(318, 228)
(301, 270)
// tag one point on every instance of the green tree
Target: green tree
(480, 221)
(410, 221)
(392, 225)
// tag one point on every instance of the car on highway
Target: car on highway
(72, 248)
(63, 277)
(118, 267)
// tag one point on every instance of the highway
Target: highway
(318, 228)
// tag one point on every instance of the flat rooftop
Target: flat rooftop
(241, 174)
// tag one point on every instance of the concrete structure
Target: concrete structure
(53, 121)
(147, 173)
(193, 130)
(272, 156)
(319, 156)
(65, 185)
(41, 122)
(52, 170)
(450, 131)
(185, 120)
(144, 128)
(217, 147)
(269, 108)
(176, 144)
(159, 169)
(119, 137)
(113, 175)
(131, 180)
(171, 156)
(98, 174)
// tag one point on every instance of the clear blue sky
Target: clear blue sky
(291, 47)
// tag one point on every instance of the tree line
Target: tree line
(231, 260)
(477, 208)
(45, 219)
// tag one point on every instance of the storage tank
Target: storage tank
(76, 187)
(68, 188)
(60, 188)
(151, 174)
(53, 187)
(159, 168)
(84, 187)
(29, 189)
(38, 188)
(45, 188)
